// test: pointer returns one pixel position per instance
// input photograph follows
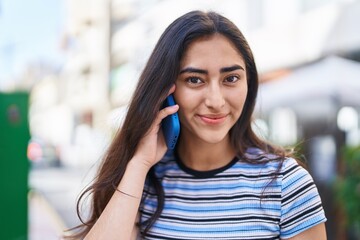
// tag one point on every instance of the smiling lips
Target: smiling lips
(213, 119)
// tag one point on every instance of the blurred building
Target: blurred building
(86, 72)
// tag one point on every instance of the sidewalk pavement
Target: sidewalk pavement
(44, 222)
(52, 200)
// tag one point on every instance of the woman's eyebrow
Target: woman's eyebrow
(232, 68)
(202, 71)
(193, 70)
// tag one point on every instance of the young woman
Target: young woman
(221, 181)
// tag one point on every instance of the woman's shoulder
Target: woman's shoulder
(284, 164)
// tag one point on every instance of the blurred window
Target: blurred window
(283, 126)
(322, 158)
(348, 121)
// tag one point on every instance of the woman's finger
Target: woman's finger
(163, 113)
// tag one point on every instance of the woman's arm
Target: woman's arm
(135, 231)
(315, 233)
(118, 219)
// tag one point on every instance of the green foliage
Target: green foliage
(348, 185)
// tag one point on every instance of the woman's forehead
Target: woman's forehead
(210, 50)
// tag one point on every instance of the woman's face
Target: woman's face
(211, 89)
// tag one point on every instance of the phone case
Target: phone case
(170, 125)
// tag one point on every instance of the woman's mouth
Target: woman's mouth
(213, 119)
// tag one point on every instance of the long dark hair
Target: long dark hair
(154, 83)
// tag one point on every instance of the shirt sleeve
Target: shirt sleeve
(301, 206)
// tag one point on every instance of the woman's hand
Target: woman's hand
(152, 146)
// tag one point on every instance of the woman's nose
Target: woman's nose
(214, 98)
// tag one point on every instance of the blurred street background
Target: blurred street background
(68, 69)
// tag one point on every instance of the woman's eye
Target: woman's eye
(232, 79)
(194, 80)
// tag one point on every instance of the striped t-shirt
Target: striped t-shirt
(237, 201)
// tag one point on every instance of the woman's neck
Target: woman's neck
(202, 156)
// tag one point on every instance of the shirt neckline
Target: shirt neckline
(204, 174)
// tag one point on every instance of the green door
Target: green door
(14, 165)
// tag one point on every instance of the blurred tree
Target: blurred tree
(348, 190)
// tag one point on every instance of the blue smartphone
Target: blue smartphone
(170, 125)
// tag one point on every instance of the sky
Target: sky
(30, 31)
